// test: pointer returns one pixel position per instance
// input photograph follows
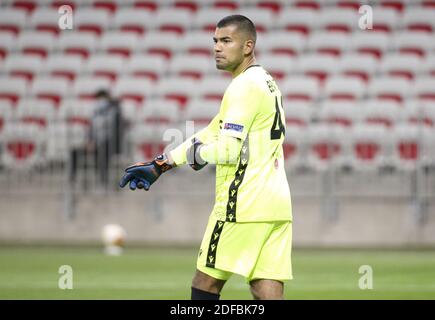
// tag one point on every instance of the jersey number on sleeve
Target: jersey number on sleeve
(278, 127)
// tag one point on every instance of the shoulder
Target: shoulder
(252, 81)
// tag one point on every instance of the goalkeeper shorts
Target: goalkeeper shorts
(255, 250)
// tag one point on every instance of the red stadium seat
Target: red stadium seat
(12, 20)
(328, 43)
(383, 113)
(35, 111)
(12, 89)
(26, 5)
(341, 113)
(133, 20)
(344, 88)
(159, 112)
(23, 66)
(338, 20)
(109, 5)
(7, 44)
(118, 43)
(360, 66)
(428, 67)
(278, 66)
(201, 112)
(207, 18)
(51, 89)
(317, 66)
(135, 90)
(385, 19)
(76, 43)
(85, 87)
(187, 66)
(400, 65)
(7, 115)
(173, 20)
(147, 141)
(45, 19)
(159, 43)
(36, 43)
(294, 147)
(170, 88)
(420, 112)
(424, 88)
(104, 65)
(152, 67)
(198, 43)
(372, 43)
(63, 66)
(387, 88)
(300, 88)
(212, 88)
(326, 146)
(297, 113)
(301, 20)
(281, 43)
(91, 20)
(419, 19)
(416, 43)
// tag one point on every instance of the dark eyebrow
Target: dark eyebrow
(223, 38)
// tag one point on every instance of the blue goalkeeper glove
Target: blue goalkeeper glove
(192, 154)
(142, 175)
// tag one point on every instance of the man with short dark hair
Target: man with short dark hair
(250, 228)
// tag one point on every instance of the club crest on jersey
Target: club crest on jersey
(233, 126)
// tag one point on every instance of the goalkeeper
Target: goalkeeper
(250, 228)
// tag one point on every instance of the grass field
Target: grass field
(164, 273)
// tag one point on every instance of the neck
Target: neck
(249, 61)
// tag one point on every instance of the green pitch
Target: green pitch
(32, 273)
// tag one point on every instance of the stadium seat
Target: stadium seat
(149, 5)
(412, 146)
(12, 89)
(35, 43)
(301, 20)
(165, 44)
(360, 66)
(340, 113)
(45, 19)
(12, 20)
(328, 43)
(400, 65)
(137, 90)
(63, 66)
(207, 18)
(338, 20)
(227, 4)
(212, 88)
(172, 20)
(110, 6)
(7, 44)
(264, 19)
(37, 112)
(91, 20)
(424, 88)
(133, 20)
(51, 89)
(300, 88)
(327, 146)
(7, 115)
(61, 138)
(398, 5)
(278, 66)
(104, 65)
(147, 142)
(281, 43)
(349, 4)
(191, 6)
(416, 43)
(76, 43)
(23, 66)
(385, 19)
(386, 88)
(198, 43)
(77, 114)
(373, 43)
(314, 5)
(428, 67)
(152, 67)
(201, 111)
(369, 147)
(419, 112)
(317, 66)
(176, 89)
(158, 111)
(297, 113)
(187, 66)
(23, 146)
(419, 19)
(85, 87)
(118, 43)
(275, 6)
(294, 147)
(56, 4)
(383, 113)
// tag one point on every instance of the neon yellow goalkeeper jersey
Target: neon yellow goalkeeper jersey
(255, 188)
